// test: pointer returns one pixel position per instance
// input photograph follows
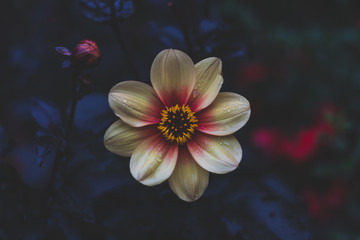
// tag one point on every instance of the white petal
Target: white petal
(215, 154)
(189, 180)
(225, 115)
(122, 139)
(153, 160)
(136, 103)
(173, 77)
(208, 83)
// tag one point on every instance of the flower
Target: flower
(181, 128)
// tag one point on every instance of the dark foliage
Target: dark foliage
(50, 138)
(100, 10)
(296, 61)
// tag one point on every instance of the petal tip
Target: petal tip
(191, 198)
(218, 61)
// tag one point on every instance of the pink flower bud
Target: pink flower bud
(86, 54)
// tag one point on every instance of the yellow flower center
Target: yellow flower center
(178, 123)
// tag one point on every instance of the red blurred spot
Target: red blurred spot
(324, 205)
(252, 72)
(268, 140)
(303, 145)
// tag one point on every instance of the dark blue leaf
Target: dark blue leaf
(41, 153)
(269, 203)
(66, 64)
(233, 226)
(168, 35)
(171, 34)
(218, 44)
(100, 10)
(87, 185)
(208, 25)
(46, 114)
(46, 146)
(240, 52)
(93, 113)
(216, 38)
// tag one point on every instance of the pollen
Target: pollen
(182, 125)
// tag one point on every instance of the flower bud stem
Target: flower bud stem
(121, 40)
(61, 154)
(74, 101)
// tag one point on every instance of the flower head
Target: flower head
(181, 128)
(86, 54)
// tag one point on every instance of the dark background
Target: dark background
(297, 62)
